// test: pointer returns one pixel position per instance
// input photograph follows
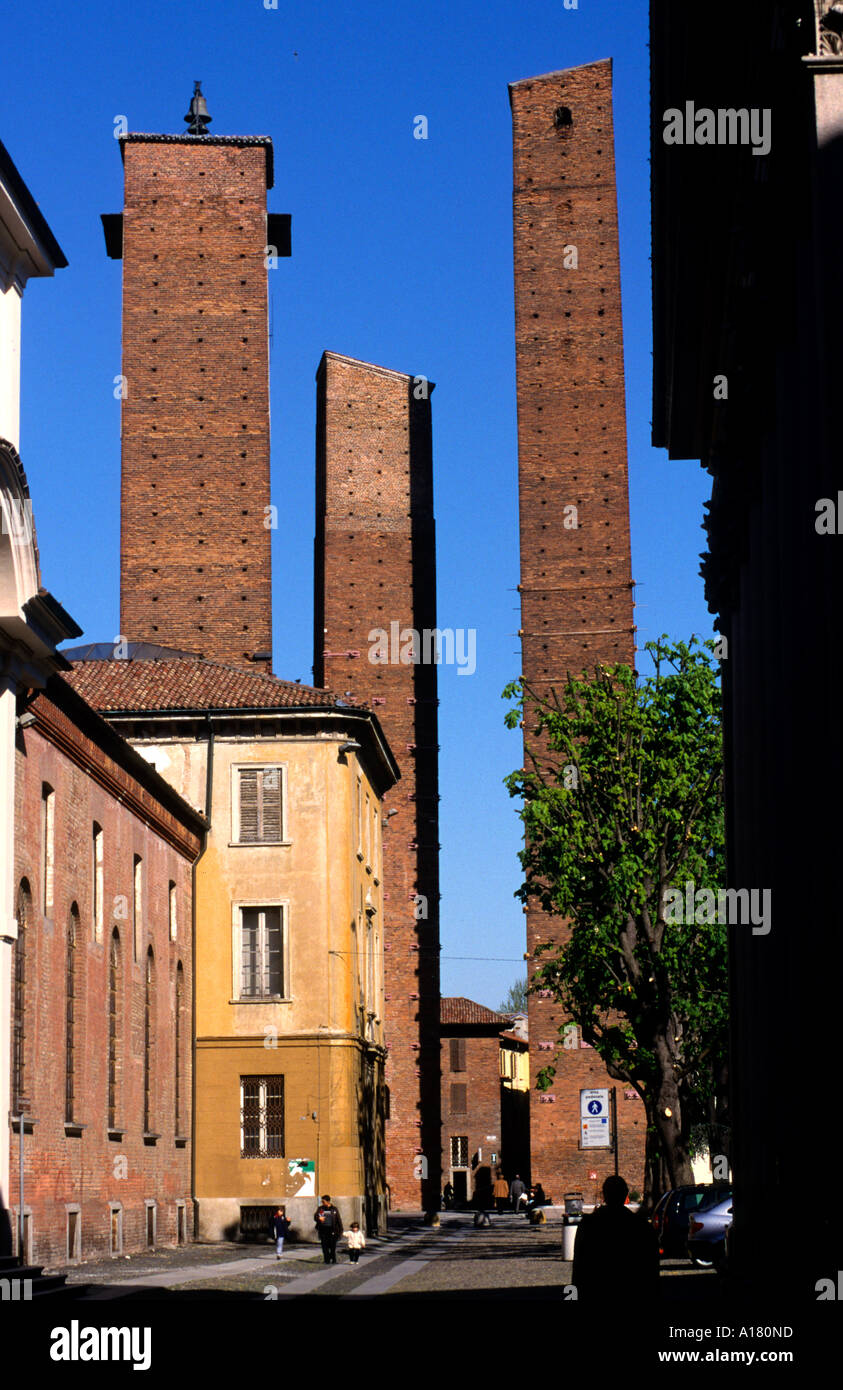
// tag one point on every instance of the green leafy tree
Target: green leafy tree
(516, 999)
(622, 804)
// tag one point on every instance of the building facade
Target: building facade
(375, 629)
(576, 583)
(102, 990)
(747, 298)
(485, 1080)
(290, 1054)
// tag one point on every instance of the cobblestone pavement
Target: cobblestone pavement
(508, 1259)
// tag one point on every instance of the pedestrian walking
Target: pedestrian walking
(356, 1242)
(329, 1229)
(500, 1192)
(279, 1225)
(448, 1196)
(616, 1252)
(516, 1191)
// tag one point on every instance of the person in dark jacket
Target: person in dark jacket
(517, 1191)
(279, 1226)
(329, 1229)
(616, 1252)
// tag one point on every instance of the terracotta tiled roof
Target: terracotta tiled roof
(187, 683)
(516, 1037)
(466, 1011)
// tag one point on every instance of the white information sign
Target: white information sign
(594, 1119)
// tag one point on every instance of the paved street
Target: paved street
(509, 1259)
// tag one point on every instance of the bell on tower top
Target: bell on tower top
(197, 117)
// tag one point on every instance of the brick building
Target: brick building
(748, 295)
(102, 989)
(576, 586)
(375, 570)
(483, 1124)
(196, 518)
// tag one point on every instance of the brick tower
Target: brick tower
(376, 569)
(195, 532)
(576, 588)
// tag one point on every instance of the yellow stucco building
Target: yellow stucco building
(288, 903)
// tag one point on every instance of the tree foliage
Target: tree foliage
(516, 999)
(622, 800)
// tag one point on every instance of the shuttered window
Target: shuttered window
(457, 1054)
(458, 1100)
(260, 805)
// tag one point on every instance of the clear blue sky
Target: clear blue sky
(402, 255)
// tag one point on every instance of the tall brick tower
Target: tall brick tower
(576, 587)
(195, 534)
(376, 569)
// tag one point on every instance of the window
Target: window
(368, 833)
(70, 1014)
(148, 1026)
(173, 911)
(48, 843)
(260, 805)
(358, 808)
(96, 882)
(261, 953)
(459, 1151)
(178, 1048)
(114, 990)
(137, 902)
(458, 1100)
(261, 1116)
(20, 1104)
(116, 1230)
(74, 1234)
(457, 1054)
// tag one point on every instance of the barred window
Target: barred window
(19, 1077)
(261, 1116)
(148, 1041)
(459, 1150)
(260, 805)
(115, 982)
(261, 953)
(457, 1054)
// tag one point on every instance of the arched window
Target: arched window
(149, 983)
(96, 881)
(70, 1013)
(114, 1014)
(20, 1102)
(179, 1044)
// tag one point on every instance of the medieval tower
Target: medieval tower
(576, 585)
(376, 573)
(196, 519)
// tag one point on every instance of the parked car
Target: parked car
(707, 1233)
(673, 1212)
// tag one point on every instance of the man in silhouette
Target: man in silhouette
(616, 1253)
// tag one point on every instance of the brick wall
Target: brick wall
(576, 593)
(84, 1167)
(481, 1116)
(195, 553)
(375, 565)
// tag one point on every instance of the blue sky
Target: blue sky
(402, 255)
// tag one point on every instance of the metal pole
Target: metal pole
(615, 1125)
(21, 1227)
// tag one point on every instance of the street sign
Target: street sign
(594, 1119)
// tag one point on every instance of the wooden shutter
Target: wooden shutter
(458, 1100)
(270, 803)
(249, 806)
(457, 1054)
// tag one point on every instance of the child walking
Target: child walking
(280, 1226)
(356, 1242)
